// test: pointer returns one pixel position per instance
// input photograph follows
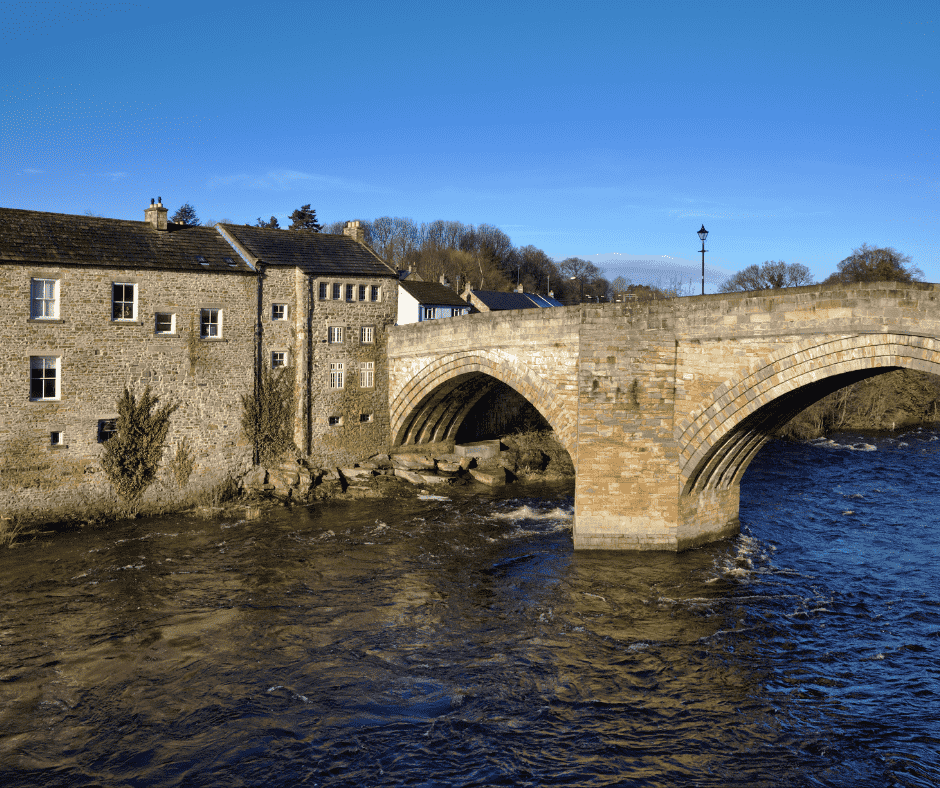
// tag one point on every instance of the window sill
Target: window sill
(40, 401)
(160, 335)
(45, 320)
(213, 339)
(126, 323)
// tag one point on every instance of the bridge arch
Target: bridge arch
(719, 443)
(432, 405)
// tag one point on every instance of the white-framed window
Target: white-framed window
(335, 335)
(279, 311)
(367, 335)
(362, 292)
(278, 359)
(324, 290)
(123, 301)
(365, 418)
(210, 323)
(350, 292)
(374, 293)
(337, 369)
(337, 291)
(367, 375)
(164, 323)
(43, 377)
(335, 421)
(57, 438)
(44, 299)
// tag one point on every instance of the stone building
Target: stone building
(419, 301)
(326, 304)
(93, 305)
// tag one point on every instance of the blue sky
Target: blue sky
(794, 131)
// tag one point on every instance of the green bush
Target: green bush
(132, 456)
(268, 416)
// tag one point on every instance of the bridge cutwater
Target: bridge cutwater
(661, 405)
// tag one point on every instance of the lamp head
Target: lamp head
(703, 233)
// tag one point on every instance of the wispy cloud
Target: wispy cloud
(114, 176)
(287, 180)
(31, 171)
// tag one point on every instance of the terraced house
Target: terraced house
(92, 305)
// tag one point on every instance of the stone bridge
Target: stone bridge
(663, 405)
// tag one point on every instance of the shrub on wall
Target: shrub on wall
(132, 456)
(268, 416)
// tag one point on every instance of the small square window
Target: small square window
(362, 292)
(56, 438)
(337, 291)
(365, 418)
(324, 289)
(350, 292)
(44, 299)
(43, 377)
(367, 335)
(210, 323)
(279, 311)
(337, 370)
(123, 301)
(335, 335)
(374, 293)
(107, 429)
(164, 323)
(367, 375)
(278, 359)
(335, 421)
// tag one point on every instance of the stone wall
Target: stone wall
(97, 358)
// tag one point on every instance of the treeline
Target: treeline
(482, 255)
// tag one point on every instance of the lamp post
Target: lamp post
(703, 234)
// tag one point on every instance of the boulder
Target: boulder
(413, 462)
(356, 473)
(480, 450)
(254, 479)
(450, 468)
(494, 477)
(463, 462)
(409, 476)
(433, 478)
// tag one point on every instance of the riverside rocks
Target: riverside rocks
(384, 475)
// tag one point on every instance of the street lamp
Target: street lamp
(582, 287)
(703, 234)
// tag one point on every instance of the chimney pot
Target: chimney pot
(155, 215)
(355, 231)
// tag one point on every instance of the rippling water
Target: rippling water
(462, 642)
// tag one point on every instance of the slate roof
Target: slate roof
(63, 239)
(497, 301)
(432, 293)
(318, 254)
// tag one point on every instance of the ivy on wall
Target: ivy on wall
(268, 416)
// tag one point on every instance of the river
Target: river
(462, 642)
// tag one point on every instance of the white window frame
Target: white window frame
(375, 293)
(335, 335)
(336, 291)
(123, 302)
(279, 312)
(43, 305)
(337, 373)
(367, 335)
(209, 328)
(363, 292)
(43, 365)
(367, 375)
(156, 324)
(279, 356)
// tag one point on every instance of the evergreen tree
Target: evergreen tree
(271, 225)
(185, 215)
(305, 218)
(875, 264)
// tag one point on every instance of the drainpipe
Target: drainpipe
(308, 405)
(259, 359)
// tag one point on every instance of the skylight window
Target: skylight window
(201, 260)
(230, 262)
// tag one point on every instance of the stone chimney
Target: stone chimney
(444, 281)
(355, 231)
(155, 215)
(519, 289)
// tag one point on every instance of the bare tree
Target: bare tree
(767, 276)
(876, 264)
